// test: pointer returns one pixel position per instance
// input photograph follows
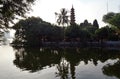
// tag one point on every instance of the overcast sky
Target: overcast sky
(84, 9)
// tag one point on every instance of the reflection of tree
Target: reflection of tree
(34, 59)
(112, 70)
(72, 56)
(95, 55)
(63, 69)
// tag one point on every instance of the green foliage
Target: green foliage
(85, 24)
(75, 33)
(62, 17)
(102, 33)
(33, 31)
(107, 33)
(112, 70)
(108, 17)
(88, 27)
(95, 24)
(11, 9)
(113, 19)
(72, 31)
(66, 60)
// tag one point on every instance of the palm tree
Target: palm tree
(63, 69)
(62, 19)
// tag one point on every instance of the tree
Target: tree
(29, 31)
(34, 60)
(108, 17)
(74, 33)
(95, 24)
(89, 28)
(11, 9)
(62, 17)
(33, 31)
(107, 33)
(112, 70)
(85, 24)
(115, 20)
(112, 19)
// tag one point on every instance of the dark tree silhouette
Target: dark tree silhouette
(65, 60)
(11, 9)
(115, 20)
(74, 33)
(106, 33)
(108, 16)
(95, 24)
(62, 17)
(112, 70)
(85, 24)
(33, 31)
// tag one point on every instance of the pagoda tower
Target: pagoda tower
(72, 16)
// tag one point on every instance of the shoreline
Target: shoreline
(105, 44)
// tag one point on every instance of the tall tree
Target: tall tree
(62, 17)
(107, 33)
(115, 20)
(29, 30)
(112, 19)
(11, 9)
(95, 24)
(108, 16)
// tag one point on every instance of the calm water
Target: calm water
(59, 63)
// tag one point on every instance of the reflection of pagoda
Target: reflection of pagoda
(72, 16)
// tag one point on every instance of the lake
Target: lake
(59, 63)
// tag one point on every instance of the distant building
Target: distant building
(72, 16)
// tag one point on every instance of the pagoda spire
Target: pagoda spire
(72, 16)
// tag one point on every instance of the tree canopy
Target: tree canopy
(108, 17)
(95, 24)
(112, 19)
(62, 17)
(107, 33)
(12, 9)
(33, 30)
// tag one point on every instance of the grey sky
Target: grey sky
(84, 9)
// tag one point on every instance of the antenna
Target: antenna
(107, 6)
(119, 8)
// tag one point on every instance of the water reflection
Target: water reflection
(65, 60)
(34, 59)
(63, 69)
(112, 70)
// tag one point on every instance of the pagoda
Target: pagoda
(72, 16)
